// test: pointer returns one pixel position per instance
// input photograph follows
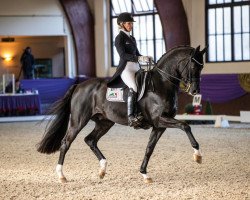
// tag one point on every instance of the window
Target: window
(147, 29)
(228, 30)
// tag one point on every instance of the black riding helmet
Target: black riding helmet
(125, 17)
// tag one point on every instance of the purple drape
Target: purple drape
(219, 88)
(50, 90)
(27, 104)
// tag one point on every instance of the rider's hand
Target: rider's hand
(145, 59)
(150, 58)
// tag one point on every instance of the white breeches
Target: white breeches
(128, 74)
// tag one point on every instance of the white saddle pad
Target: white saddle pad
(115, 94)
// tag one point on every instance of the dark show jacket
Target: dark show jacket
(127, 50)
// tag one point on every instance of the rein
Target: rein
(186, 83)
(167, 75)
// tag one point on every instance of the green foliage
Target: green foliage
(189, 108)
(208, 109)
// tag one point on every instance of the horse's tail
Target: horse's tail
(56, 129)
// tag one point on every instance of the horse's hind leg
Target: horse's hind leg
(173, 123)
(70, 136)
(101, 128)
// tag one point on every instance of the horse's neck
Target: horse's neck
(165, 81)
(169, 70)
(170, 67)
(169, 62)
(164, 87)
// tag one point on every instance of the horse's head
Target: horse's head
(182, 64)
(190, 73)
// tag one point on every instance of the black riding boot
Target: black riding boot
(132, 120)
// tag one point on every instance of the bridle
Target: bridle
(196, 61)
(187, 82)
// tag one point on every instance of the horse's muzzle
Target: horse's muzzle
(194, 88)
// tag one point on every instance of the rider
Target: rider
(128, 65)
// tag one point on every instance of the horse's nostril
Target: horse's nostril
(195, 92)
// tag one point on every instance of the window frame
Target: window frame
(152, 13)
(223, 5)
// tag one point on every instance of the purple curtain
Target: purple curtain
(14, 105)
(50, 90)
(220, 88)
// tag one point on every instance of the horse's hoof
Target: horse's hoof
(197, 158)
(101, 174)
(148, 180)
(63, 180)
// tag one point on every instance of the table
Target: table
(19, 104)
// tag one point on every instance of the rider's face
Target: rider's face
(128, 26)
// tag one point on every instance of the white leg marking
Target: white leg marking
(59, 171)
(103, 164)
(145, 176)
(197, 152)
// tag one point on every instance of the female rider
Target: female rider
(128, 65)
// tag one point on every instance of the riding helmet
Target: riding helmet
(125, 17)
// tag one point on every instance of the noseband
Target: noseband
(197, 62)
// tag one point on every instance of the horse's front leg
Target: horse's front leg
(173, 123)
(153, 139)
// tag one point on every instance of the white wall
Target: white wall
(58, 63)
(102, 41)
(35, 18)
(31, 17)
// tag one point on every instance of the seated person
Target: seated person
(9, 88)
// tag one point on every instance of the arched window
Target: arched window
(147, 29)
(228, 30)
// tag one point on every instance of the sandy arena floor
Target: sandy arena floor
(223, 175)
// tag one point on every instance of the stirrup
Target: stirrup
(139, 116)
(133, 121)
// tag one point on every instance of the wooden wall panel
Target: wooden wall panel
(174, 22)
(82, 25)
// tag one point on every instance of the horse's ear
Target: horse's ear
(197, 49)
(204, 50)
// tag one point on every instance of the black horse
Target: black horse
(87, 101)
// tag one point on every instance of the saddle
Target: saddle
(119, 92)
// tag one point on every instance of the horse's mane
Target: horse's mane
(172, 50)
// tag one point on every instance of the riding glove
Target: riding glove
(145, 59)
